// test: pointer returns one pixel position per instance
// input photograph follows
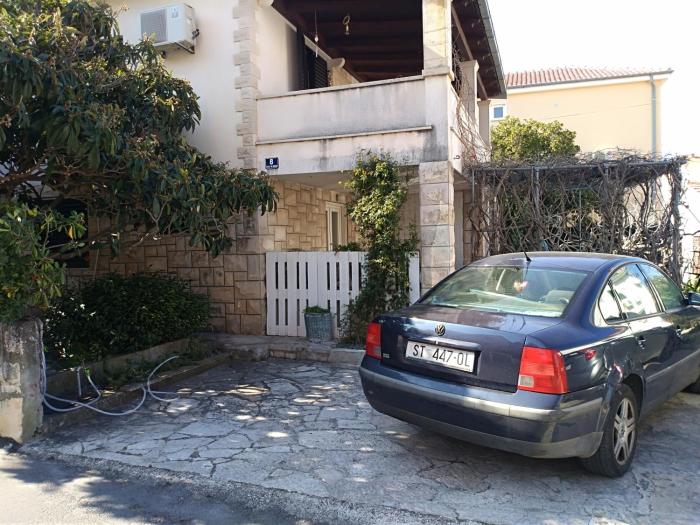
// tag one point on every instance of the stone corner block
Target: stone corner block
(21, 412)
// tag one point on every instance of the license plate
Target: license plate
(449, 357)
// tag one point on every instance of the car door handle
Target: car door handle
(641, 341)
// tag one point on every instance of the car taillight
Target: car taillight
(542, 370)
(373, 343)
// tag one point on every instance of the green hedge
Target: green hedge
(114, 315)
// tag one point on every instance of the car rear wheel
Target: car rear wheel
(614, 456)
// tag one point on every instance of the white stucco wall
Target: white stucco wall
(210, 70)
(276, 52)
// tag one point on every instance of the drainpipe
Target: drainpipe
(653, 114)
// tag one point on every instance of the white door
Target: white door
(336, 226)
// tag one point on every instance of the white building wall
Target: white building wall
(210, 70)
(276, 52)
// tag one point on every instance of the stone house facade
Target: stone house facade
(307, 85)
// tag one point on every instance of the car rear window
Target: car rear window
(507, 289)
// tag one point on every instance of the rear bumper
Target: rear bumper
(526, 423)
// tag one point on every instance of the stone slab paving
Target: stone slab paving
(306, 428)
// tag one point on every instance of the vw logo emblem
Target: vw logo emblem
(440, 330)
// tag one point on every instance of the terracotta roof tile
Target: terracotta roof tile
(563, 75)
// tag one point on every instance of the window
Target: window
(336, 230)
(317, 72)
(312, 70)
(607, 304)
(669, 293)
(509, 289)
(499, 112)
(635, 296)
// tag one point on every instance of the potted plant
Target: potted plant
(319, 323)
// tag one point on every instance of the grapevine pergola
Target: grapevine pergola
(623, 204)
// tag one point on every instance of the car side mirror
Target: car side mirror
(694, 299)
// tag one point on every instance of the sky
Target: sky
(538, 34)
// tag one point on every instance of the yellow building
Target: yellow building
(607, 108)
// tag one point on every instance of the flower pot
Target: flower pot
(319, 327)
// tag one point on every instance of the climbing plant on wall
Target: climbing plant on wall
(379, 190)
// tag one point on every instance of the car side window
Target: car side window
(671, 296)
(609, 309)
(635, 296)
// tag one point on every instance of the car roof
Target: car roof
(584, 261)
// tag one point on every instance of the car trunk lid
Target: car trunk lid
(496, 339)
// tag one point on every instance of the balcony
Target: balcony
(397, 61)
(322, 130)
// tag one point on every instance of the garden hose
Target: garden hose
(77, 405)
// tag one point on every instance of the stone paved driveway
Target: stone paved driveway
(305, 427)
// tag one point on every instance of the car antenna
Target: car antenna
(527, 257)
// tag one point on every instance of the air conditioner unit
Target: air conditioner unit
(170, 27)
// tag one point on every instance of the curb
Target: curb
(308, 508)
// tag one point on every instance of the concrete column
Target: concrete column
(470, 70)
(437, 36)
(437, 227)
(245, 61)
(20, 370)
(485, 121)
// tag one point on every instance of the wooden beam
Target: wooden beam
(390, 56)
(382, 60)
(376, 41)
(373, 27)
(387, 68)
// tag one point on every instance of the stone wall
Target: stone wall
(20, 397)
(300, 223)
(234, 281)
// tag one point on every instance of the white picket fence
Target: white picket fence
(331, 280)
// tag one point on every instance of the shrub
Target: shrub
(29, 276)
(115, 315)
(529, 139)
(379, 190)
(316, 310)
(692, 285)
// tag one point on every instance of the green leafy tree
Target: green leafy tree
(523, 140)
(29, 275)
(87, 116)
(378, 193)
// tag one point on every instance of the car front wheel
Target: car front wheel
(614, 456)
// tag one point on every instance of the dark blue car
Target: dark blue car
(548, 355)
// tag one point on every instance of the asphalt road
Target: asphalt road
(40, 491)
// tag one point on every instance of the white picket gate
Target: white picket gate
(331, 280)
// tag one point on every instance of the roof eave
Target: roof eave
(665, 73)
(493, 47)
